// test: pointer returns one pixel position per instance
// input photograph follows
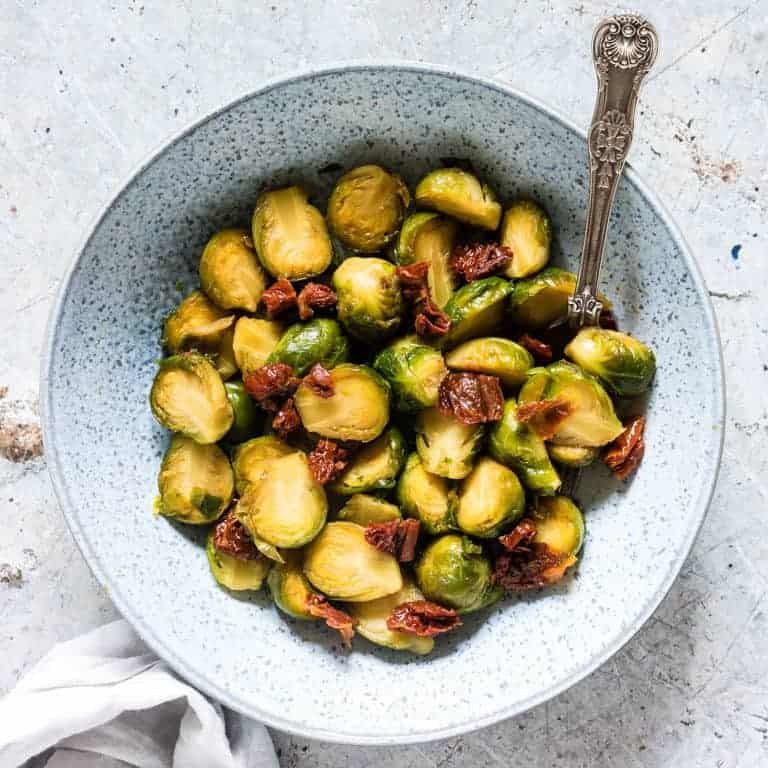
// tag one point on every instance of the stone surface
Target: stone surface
(84, 95)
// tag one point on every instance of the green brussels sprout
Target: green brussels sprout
(234, 573)
(374, 467)
(364, 509)
(343, 565)
(245, 412)
(254, 341)
(572, 455)
(459, 194)
(414, 370)
(624, 364)
(358, 409)
(493, 355)
(286, 507)
(454, 572)
(447, 446)
(251, 460)
(195, 482)
(518, 446)
(290, 235)
(230, 272)
(427, 497)
(289, 587)
(366, 208)
(559, 525)
(476, 309)
(196, 323)
(318, 341)
(527, 231)
(490, 499)
(370, 305)
(591, 421)
(188, 396)
(225, 361)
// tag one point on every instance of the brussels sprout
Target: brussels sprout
(195, 482)
(286, 507)
(233, 573)
(369, 305)
(526, 229)
(245, 412)
(290, 236)
(196, 323)
(623, 363)
(572, 455)
(343, 565)
(188, 396)
(251, 460)
(518, 446)
(372, 618)
(358, 409)
(454, 572)
(304, 344)
(414, 371)
(254, 342)
(289, 587)
(226, 364)
(493, 355)
(591, 421)
(447, 446)
(374, 467)
(366, 208)
(461, 195)
(476, 309)
(230, 273)
(490, 499)
(427, 497)
(364, 509)
(559, 525)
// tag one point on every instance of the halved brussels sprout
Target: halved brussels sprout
(230, 273)
(372, 618)
(195, 482)
(343, 565)
(289, 586)
(492, 355)
(188, 396)
(623, 363)
(245, 412)
(490, 499)
(374, 467)
(559, 525)
(226, 364)
(461, 195)
(591, 421)
(515, 444)
(254, 341)
(370, 305)
(287, 507)
(527, 231)
(251, 460)
(318, 341)
(476, 309)
(196, 323)
(572, 455)
(364, 509)
(290, 235)
(358, 409)
(447, 446)
(427, 497)
(233, 573)
(414, 371)
(454, 572)
(366, 208)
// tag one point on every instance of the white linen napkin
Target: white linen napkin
(104, 699)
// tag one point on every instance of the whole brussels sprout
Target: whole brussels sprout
(233, 573)
(188, 396)
(414, 371)
(447, 446)
(370, 305)
(230, 273)
(290, 235)
(225, 361)
(559, 525)
(454, 572)
(572, 455)
(246, 415)
(427, 497)
(366, 208)
(196, 323)
(527, 231)
(374, 467)
(459, 194)
(254, 341)
(494, 356)
(318, 341)
(364, 510)
(195, 482)
(251, 460)
(289, 587)
(343, 565)
(624, 364)
(490, 499)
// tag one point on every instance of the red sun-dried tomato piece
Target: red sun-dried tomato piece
(522, 533)
(315, 296)
(607, 320)
(476, 260)
(319, 607)
(279, 298)
(287, 419)
(541, 351)
(544, 416)
(626, 452)
(423, 618)
(413, 282)
(471, 398)
(431, 322)
(319, 381)
(231, 538)
(271, 384)
(327, 461)
(397, 537)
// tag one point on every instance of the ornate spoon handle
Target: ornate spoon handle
(624, 49)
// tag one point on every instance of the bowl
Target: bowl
(104, 448)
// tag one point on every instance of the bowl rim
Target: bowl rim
(146, 632)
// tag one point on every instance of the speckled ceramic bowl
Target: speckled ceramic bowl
(104, 447)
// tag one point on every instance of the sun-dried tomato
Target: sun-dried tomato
(413, 282)
(327, 461)
(271, 384)
(287, 419)
(541, 351)
(319, 381)
(523, 532)
(279, 298)
(544, 416)
(608, 320)
(335, 618)
(626, 452)
(231, 538)
(476, 260)
(530, 567)
(397, 537)
(471, 398)
(315, 296)
(423, 618)
(431, 322)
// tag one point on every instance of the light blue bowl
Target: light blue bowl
(104, 447)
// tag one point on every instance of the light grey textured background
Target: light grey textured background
(87, 89)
